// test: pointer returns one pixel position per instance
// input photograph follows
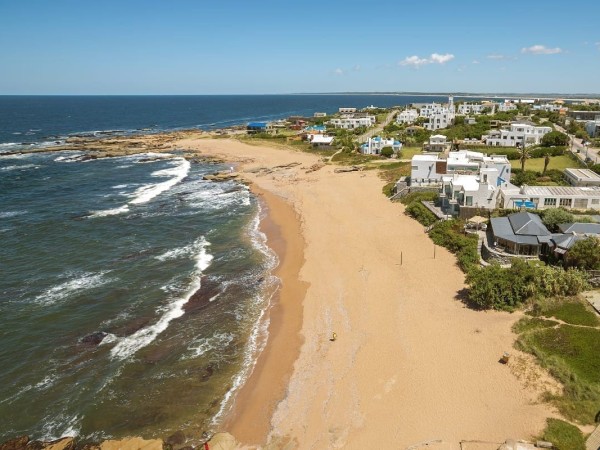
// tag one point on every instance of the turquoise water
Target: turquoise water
(131, 298)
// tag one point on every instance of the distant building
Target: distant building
(584, 116)
(321, 141)
(407, 116)
(519, 134)
(350, 123)
(550, 107)
(582, 177)
(373, 146)
(506, 106)
(470, 120)
(593, 128)
(475, 108)
(347, 110)
(259, 127)
(437, 143)
(438, 116)
(320, 114)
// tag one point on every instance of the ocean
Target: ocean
(134, 293)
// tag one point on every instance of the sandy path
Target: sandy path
(411, 363)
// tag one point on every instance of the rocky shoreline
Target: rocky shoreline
(178, 441)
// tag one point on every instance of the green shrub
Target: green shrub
(450, 235)
(428, 196)
(540, 152)
(553, 217)
(419, 212)
(387, 152)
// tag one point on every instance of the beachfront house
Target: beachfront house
(373, 146)
(519, 134)
(408, 116)
(350, 123)
(321, 141)
(320, 114)
(347, 110)
(521, 233)
(582, 177)
(259, 127)
(543, 197)
(437, 143)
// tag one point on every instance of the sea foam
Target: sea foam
(60, 292)
(129, 345)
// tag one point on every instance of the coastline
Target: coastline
(250, 417)
(411, 363)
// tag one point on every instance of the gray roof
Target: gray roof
(502, 228)
(525, 223)
(565, 241)
(580, 228)
(563, 191)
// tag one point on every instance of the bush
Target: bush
(450, 235)
(387, 152)
(506, 289)
(540, 152)
(428, 196)
(554, 216)
(585, 254)
(419, 212)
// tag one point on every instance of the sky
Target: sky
(279, 46)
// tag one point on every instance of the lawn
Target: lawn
(409, 152)
(570, 352)
(563, 435)
(537, 164)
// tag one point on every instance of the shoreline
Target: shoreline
(249, 418)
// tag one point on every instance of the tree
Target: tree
(585, 254)
(523, 155)
(546, 162)
(555, 216)
(387, 152)
(555, 139)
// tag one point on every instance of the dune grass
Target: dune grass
(563, 435)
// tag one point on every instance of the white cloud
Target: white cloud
(597, 44)
(541, 50)
(356, 68)
(338, 71)
(435, 58)
(496, 56)
(475, 62)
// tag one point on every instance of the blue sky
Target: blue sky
(258, 47)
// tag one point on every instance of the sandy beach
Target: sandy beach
(411, 363)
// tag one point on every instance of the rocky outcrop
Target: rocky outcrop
(221, 176)
(15, 444)
(134, 443)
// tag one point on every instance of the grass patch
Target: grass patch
(563, 435)
(572, 311)
(352, 159)
(572, 355)
(532, 323)
(409, 152)
(537, 164)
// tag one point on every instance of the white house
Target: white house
(373, 146)
(518, 134)
(506, 106)
(437, 143)
(475, 108)
(350, 123)
(542, 197)
(407, 116)
(550, 107)
(593, 128)
(429, 169)
(439, 116)
(582, 177)
(347, 110)
(468, 191)
(321, 140)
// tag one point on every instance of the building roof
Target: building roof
(588, 191)
(321, 139)
(431, 158)
(521, 228)
(580, 228)
(257, 124)
(526, 223)
(583, 174)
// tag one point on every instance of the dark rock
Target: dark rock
(15, 444)
(177, 438)
(201, 298)
(94, 338)
(207, 372)
(131, 327)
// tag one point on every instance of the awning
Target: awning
(477, 219)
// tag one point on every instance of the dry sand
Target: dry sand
(411, 363)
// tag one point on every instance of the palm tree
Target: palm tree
(546, 162)
(524, 155)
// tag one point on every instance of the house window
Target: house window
(469, 201)
(595, 201)
(549, 202)
(580, 203)
(566, 202)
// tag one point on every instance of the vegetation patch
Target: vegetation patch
(532, 323)
(563, 435)
(450, 234)
(573, 311)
